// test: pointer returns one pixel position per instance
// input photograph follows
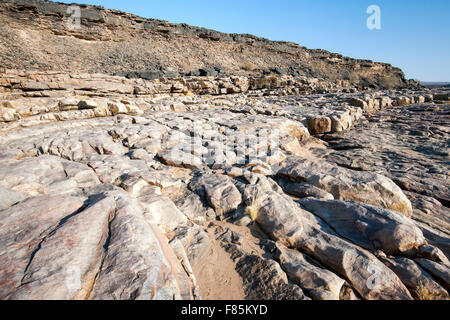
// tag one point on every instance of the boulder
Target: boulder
(276, 214)
(117, 108)
(22, 228)
(190, 204)
(319, 125)
(366, 274)
(415, 278)
(440, 271)
(304, 190)
(341, 122)
(369, 227)
(263, 279)
(87, 104)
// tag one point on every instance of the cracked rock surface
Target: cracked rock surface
(250, 195)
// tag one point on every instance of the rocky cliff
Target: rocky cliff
(34, 35)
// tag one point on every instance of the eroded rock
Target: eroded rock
(345, 184)
(318, 283)
(369, 227)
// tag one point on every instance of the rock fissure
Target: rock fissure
(47, 235)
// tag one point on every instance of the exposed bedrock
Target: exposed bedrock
(295, 188)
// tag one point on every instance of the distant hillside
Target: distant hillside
(34, 35)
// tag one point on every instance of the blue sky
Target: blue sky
(414, 34)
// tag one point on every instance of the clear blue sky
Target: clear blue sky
(414, 34)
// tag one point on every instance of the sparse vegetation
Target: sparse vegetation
(249, 66)
(267, 82)
(252, 210)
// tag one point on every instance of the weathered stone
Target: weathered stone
(87, 178)
(230, 236)
(140, 154)
(137, 186)
(10, 197)
(161, 211)
(22, 228)
(432, 253)
(304, 190)
(218, 191)
(194, 240)
(8, 115)
(178, 107)
(319, 125)
(440, 271)
(117, 108)
(276, 214)
(341, 122)
(68, 104)
(138, 263)
(66, 262)
(263, 278)
(345, 184)
(367, 275)
(234, 172)
(87, 104)
(178, 158)
(291, 145)
(191, 205)
(76, 146)
(46, 174)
